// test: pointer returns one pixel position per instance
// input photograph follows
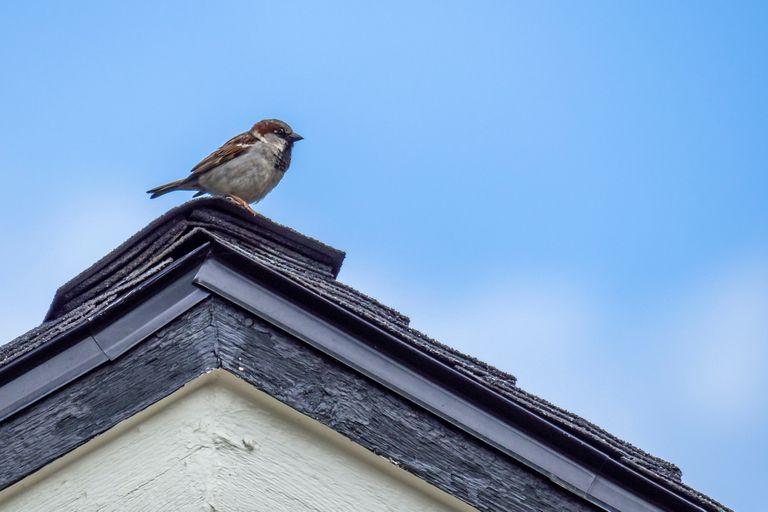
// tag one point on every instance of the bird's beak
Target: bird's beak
(295, 137)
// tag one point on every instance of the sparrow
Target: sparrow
(245, 169)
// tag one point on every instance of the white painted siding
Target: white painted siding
(221, 445)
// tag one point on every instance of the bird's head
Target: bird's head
(275, 131)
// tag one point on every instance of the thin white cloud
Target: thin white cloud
(80, 237)
(700, 352)
(68, 242)
(540, 331)
(720, 344)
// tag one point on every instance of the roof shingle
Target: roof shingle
(315, 266)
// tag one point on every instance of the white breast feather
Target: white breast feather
(250, 176)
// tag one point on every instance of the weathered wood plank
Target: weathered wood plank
(371, 416)
(99, 400)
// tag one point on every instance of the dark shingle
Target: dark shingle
(313, 265)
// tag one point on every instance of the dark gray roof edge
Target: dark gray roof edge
(596, 479)
(304, 244)
(35, 374)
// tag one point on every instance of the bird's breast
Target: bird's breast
(250, 176)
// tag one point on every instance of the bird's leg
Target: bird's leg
(241, 202)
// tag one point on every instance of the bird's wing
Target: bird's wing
(233, 148)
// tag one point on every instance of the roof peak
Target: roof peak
(180, 223)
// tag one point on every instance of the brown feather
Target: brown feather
(231, 149)
(266, 126)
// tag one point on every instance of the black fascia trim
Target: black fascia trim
(593, 465)
(102, 338)
(56, 371)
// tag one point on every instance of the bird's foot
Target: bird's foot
(241, 202)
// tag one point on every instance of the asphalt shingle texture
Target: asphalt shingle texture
(314, 266)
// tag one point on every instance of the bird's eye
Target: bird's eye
(280, 131)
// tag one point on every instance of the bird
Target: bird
(245, 168)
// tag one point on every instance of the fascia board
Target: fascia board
(369, 358)
(62, 360)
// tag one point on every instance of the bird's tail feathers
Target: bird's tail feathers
(182, 184)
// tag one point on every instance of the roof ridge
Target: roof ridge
(174, 222)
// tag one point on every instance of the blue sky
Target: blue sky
(573, 191)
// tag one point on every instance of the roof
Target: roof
(313, 266)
